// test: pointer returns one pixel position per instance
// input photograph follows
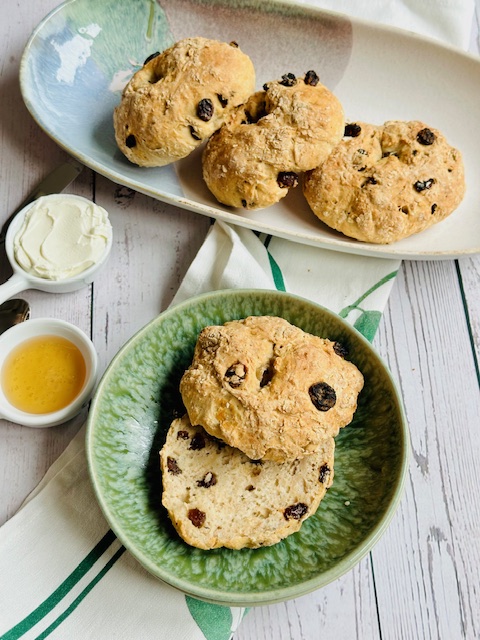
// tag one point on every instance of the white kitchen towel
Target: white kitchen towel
(355, 287)
(64, 573)
(449, 21)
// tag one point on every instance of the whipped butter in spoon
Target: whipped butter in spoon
(61, 238)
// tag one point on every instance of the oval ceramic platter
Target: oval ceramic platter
(81, 56)
(138, 398)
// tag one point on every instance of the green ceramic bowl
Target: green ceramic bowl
(134, 405)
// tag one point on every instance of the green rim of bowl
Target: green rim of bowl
(125, 429)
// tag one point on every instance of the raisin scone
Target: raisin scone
(385, 183)
(179, 98)
(268, 388)
(289, 127)
(217, 497)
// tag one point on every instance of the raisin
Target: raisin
(340, 349)
(370, 180)
(287, 179)
(208, 480)
(236, 374)
(182, 435)
(352, 130)
(131, 141)
(196, 517)
(434, 208)
(267, 376)
(205, 109)
(244, 202)
(405, 209)
(151, 57)
(173, 467)
(295, 511)
(426, 137)
(194, 133)
(324, 473)
(197, 443)
(421, 185)
(234, 44)
(220, 443)
(223, 101)
(265, 86)
(323, 396)
(288, 80)
(311, 78)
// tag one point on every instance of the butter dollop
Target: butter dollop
(62, 237)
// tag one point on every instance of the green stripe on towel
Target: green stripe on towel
(58, 621)
(62, 590)
(276, 271)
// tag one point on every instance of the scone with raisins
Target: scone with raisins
(268, 388)
(179, 98)
(384, 183)
(289, 127)
(218, 497)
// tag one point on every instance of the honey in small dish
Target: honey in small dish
(43, 374)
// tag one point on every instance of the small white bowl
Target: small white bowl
(42, 327)
(21, 279)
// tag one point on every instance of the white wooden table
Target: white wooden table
(423, 578)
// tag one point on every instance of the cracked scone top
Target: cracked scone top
(179, 98)
(217, 497)
(288, 128)
(268, 388)
(384, 183)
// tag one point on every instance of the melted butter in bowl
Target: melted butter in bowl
(43, 374)
(48, 371)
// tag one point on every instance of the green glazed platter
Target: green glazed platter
(138, 398)
(81, 56)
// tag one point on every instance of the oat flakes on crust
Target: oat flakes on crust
(268, 388)
(217, 497)
(179, 98)
(288, 128)
(385, 183)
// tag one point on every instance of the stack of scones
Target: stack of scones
(254, 454)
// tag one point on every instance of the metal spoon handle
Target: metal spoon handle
(13, 312)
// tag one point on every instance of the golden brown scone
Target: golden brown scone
(217, 497)
(268, 388)
(384, 183)
(179, 98)
(291, 126)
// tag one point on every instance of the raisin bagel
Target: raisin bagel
(288, 128)
(384, 183)
(217, 497)
(268, 388)
(179, 98)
